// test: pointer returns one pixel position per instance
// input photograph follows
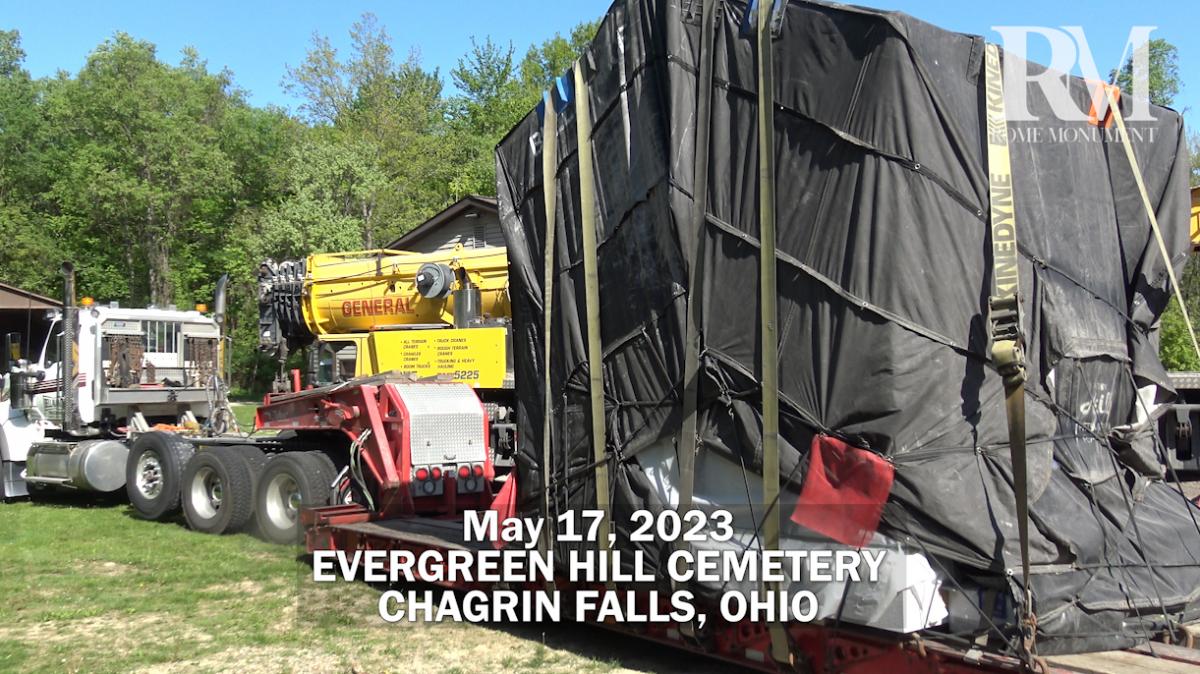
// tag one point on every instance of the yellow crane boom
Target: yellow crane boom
(366, 290)
(439, 315)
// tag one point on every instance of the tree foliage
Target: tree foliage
(1163, 76)
(1194, 150)
(156, 177)
(496, 92)
(1176, 348)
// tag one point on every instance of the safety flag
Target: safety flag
(843, 492)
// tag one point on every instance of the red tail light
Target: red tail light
(478, 470)
(464, 472)
(437, 473)
(422, 474)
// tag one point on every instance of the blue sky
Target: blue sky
(256, 39)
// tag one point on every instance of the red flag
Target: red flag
(505, 503)
(844, 491)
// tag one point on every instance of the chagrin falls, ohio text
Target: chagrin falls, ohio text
(517, 577)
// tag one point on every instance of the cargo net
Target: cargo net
(892, 423)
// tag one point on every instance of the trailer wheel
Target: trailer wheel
(255, 458)
(291, 482)
(218, 491)
(153, 473)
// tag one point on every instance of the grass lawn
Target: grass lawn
(244, 412)
(88, 588)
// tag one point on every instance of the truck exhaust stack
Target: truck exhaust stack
(70, 353)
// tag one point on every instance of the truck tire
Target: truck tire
(154, 472)
(291, 482)
(218, 491)
(255, 458)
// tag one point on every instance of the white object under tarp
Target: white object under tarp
(905, 597)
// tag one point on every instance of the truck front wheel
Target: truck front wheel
(290, 482)
(153, 473)
(218, 492)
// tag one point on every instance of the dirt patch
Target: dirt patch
(107, 568)
(117, 630)
(260, 660)
(245, 588)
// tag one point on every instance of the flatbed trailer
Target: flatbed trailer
(814, 647)
(368, 413)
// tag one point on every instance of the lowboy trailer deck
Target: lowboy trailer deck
(814, 647)
(405, 516)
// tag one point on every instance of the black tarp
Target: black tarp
(884, 273)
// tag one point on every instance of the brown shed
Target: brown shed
(25, 312)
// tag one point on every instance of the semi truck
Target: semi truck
(105, 377)
(424, 340)
(146, 409)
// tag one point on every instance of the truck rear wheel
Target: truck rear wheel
(218, 491)
(153, 473)
(255, 458)
(291, 482)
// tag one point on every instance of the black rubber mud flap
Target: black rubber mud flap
(291, 482)
(218, 491)
(153, 473)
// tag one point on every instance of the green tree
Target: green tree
(1163, 75)
(330, 185)
(22, 128)
(389, 117)
(31, 254)
(491, 102)
(145, 172)
(497, 93)
(1194, 150)
(1176, 348)
(553, 58)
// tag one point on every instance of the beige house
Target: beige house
(472, 221)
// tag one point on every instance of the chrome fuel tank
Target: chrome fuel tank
(91, 465)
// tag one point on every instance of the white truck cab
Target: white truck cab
(156, 362)
(133, 369)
